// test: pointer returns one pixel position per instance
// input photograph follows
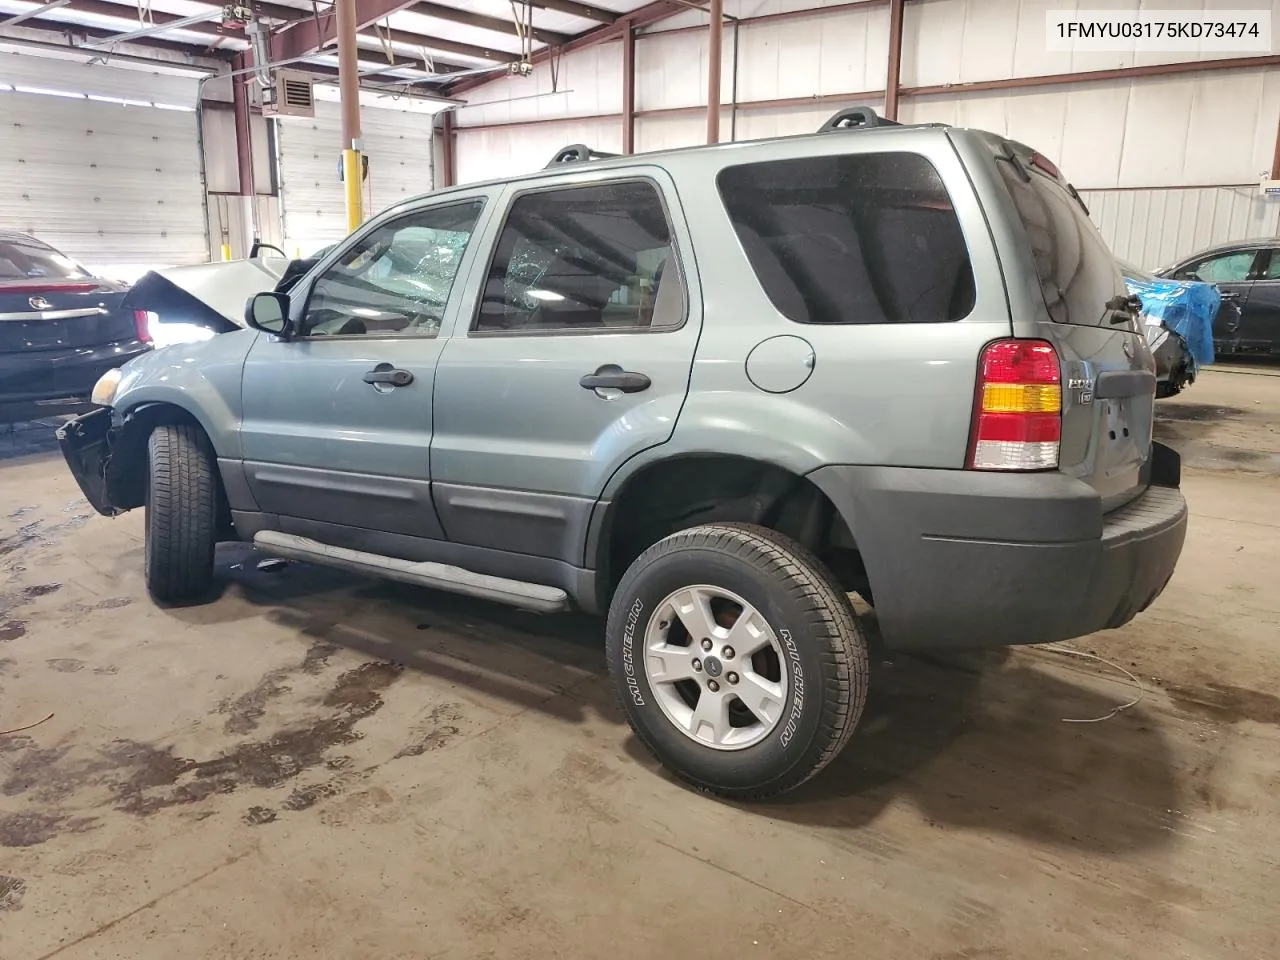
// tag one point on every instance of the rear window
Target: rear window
(857, 238)
(28, 260)
(1077, 273)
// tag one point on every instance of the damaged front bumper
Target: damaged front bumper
(86, 446)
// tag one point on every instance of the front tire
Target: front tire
(181, 514)
(737, 659)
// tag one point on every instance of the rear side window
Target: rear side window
(1077, 273)
(861, 238)
(592, 259)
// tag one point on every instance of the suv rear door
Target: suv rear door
(1107, 370)
(576, 358)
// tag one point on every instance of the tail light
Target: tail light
(142, 325)
(1017, 418)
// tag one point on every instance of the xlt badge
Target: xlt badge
(1084, 385)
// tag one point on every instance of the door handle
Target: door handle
(613, 377)
(386, 373)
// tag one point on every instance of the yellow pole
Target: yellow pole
(349, 87)
(226, 252)
(352, 163)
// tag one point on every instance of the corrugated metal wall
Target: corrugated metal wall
(1143, 135)
(110, 184)
(1153, 228)
(398, 145)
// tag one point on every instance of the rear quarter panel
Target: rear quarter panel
(890, 394)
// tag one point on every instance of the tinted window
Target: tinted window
(23, 259)
(1228, 268)
(396, 280)
(1273, 266)
(1077, 273)
(587, 258)
(869, 238)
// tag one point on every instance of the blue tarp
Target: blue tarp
(1187, 308)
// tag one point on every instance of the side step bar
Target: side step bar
(438, 576)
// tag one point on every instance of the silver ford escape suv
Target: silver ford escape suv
(709, 392)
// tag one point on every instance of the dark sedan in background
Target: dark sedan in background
(1248, 270)
(60, 329)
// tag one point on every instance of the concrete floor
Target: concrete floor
(318, 766)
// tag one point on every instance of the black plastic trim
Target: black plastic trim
(958, 558)
(1117, 384)
(516, 521)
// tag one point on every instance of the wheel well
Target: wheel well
(689, 491)
(127, 471)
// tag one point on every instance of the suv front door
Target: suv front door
(577, 357)
(337, 418)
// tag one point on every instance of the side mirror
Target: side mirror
(268, 312)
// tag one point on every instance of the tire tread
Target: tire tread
(829, 617)
(181, 514)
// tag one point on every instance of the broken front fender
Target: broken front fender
(86, 446)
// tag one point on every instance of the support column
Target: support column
(349, 85)
(628, 88)
(715, 45)
(449, 175)
(895, 60)
(1275, 160)
(244, 165)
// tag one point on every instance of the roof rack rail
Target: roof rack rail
(856, 118)
(577, 153)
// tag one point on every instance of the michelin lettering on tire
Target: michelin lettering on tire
(628, 656)
(797, 686)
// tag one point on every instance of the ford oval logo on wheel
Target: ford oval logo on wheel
(40, 303)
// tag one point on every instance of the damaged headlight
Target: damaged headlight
(104, 391)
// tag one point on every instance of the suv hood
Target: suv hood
(207, 295)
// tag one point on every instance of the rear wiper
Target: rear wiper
(1075, 195)
(1011, 158)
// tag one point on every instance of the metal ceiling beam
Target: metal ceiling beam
(584, 10)
(269, 11)
(448, 46)
(497, 24)
(104, 8)
(35, 13)
(307, 36)
(62, 29)
(639, 18)
(440, 66)
(154, 28)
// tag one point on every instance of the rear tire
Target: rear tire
(181, 514)
(789, 707)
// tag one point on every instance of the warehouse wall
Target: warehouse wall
(1139, 139)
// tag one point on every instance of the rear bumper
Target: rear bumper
(16, 411)
(957, 558)
(44, 383)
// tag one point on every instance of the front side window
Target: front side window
(396, 281)
(1228, 268)
(858, 238)
(597, 258)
